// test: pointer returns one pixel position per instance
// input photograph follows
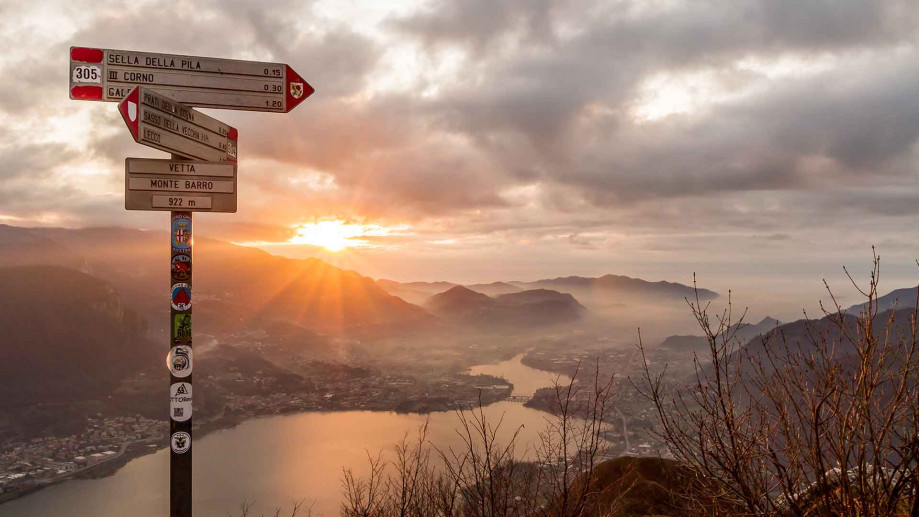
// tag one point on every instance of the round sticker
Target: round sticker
(181, 267)
(180, 401)
(181, 233)
(181, 297)
(180, 442)
(179, 361)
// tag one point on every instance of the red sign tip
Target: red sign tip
(130, 111)
(297, 89)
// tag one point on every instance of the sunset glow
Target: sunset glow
(337, 235)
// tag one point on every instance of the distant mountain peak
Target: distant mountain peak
(458, 299)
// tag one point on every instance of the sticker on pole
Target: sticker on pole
(180, 401)
(181, 297)
(181, 267)
(181, 233)
(181, 329)
(179, 361)
(180, 442)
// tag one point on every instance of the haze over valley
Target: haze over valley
(459, 258)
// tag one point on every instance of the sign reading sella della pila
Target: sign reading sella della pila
(109, 75)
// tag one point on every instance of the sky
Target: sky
(761, 144)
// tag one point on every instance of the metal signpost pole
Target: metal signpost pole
(156, 94)
(179, 362)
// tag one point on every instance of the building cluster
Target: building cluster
(48, 459)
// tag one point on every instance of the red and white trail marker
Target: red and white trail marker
(98, 74)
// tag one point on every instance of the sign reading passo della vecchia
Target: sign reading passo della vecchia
(162, 123)
(98, 74)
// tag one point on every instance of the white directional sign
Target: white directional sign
(162, 123)
(109, 75)
(179, 185)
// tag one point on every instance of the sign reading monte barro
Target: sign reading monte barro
(179, 185)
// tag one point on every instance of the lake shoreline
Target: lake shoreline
(139, 449)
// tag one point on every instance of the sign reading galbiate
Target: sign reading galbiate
(179, 185)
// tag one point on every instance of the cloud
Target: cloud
(581, 125)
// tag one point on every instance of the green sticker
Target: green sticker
(181, 328)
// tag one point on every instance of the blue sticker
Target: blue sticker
(181, 233)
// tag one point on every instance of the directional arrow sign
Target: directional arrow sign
(109, 75)
(162, 123)
(179, 185)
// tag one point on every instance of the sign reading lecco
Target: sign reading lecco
(162, 123)
(109, 75)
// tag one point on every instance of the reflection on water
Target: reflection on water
(526, 380)
(275, 461)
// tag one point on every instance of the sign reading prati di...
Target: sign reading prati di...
(166, 185)
(162, 123)
(109, 75)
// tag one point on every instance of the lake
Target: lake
(275, 461)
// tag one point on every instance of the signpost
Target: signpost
(154, 94)
(99, 74)
(159, 122)
(179, 185)
(180, 365)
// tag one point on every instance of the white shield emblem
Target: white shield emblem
(296, 90)
(132, 111)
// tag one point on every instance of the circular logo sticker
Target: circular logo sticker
(181, 297)
(180, 401)
(181, 233)
(179, 361)
(180, 442)
(181, 267)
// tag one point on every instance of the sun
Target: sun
(331, 235)
(336, 235)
